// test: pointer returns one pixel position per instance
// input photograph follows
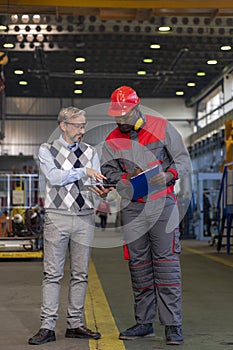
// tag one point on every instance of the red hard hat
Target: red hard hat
(123, 100)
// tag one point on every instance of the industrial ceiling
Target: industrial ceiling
(108, 44)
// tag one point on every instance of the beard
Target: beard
(125, 128)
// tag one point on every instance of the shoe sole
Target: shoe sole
(125, 337)
(43, 342)
(81, 336)
(173, 342)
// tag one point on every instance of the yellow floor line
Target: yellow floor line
(98, 315)
(209, 256)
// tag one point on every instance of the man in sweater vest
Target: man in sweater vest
(69, 165)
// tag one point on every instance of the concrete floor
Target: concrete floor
(207, 300)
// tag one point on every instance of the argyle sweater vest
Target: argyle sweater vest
(71, 197)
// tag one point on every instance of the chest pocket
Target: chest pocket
(155, 153)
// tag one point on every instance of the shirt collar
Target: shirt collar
(67, 145)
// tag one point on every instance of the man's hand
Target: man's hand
(161, 179)
(134, 173)
(100, 190)
(95, 175)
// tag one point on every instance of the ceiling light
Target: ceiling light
(25, 18)
(179, 93)
(30, 37)
(40, 37)
(155, 46)
(18, 71)
(78, 91)
(164, 29)
(36, 18)
(3, 27)
(79, 71)
(80, 59)
(147, 60)
(225, 48)
(141, 72)
(212, 62)
(14, 18)
(78, 82)
(191, 84)
(20, 37)
(201, 74)
(23, 82)
(8, 45)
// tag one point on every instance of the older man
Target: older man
(68, 165)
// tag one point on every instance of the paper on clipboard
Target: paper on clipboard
(140, 182)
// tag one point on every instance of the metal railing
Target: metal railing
(225, 208)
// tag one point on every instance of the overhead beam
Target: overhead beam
(166, 4)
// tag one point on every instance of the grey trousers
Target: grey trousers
(62, 233)
(152, 237)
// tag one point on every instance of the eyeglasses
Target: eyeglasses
(77, 125)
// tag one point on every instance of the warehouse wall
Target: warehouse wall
(31, 121)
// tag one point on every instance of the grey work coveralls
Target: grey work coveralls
(150, 224)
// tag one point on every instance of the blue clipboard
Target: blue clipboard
(140, 183)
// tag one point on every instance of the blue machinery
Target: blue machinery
(225, 209)
(210, 182)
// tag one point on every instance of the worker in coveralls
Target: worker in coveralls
(151, 223)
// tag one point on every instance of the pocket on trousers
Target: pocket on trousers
(176, 246)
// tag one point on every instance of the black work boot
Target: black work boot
(138, 331)
(173, 335)
(44, 335)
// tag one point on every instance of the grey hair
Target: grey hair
(69, 113)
